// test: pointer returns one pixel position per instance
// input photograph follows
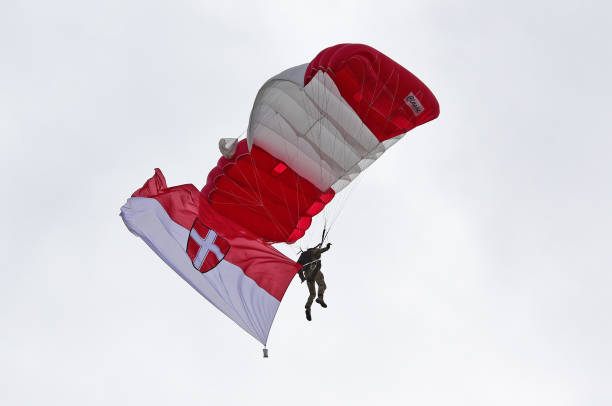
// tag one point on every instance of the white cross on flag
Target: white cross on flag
(205, 248)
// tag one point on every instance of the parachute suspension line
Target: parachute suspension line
(329, 212)
(297, 185)
(238, 138)
(257, 199)
(259, 184)
(379, 88)
(340, 207)
(375, 95)
(323, 101)
(278, 119)
(242, 135)
(270, 216)
(323, 233)
(335, 145)
(325, 228)
(343, 202)
(298, 152)
(245, 204)
(278, 130)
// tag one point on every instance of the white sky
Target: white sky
(470, 266)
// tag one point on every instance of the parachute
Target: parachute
(312, 130)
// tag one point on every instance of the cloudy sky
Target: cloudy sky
(488, 280)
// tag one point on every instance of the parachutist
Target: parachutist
(311, 273)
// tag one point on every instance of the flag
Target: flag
(238, 273)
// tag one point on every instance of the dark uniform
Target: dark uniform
(311, 273)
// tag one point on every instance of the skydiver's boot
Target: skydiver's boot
(320, 301)
(308, 316)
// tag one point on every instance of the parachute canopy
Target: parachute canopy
(313, 129)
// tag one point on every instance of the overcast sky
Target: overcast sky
(470, 265)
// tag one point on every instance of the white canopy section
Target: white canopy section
(312, 129)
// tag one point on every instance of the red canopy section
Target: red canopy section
(388, 99)
(264, 195)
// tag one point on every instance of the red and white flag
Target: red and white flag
(239, 274)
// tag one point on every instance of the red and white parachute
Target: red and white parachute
(313, 129)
